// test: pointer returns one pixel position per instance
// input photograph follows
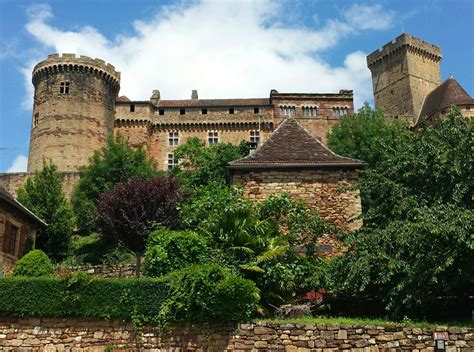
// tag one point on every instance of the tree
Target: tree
(200, 165)
(132, 210)
(43, 195)
(116, 162)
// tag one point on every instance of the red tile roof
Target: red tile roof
(6, 197)
(122, 99)
(213, 103)
(442, 97)
(291, 145)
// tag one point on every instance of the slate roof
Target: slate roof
(213, 103)
(10, 200)
(292, 146)
(442, 97)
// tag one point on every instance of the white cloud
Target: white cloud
(19, 164)
(222, 48)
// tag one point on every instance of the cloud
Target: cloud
(19, 164)
(222, 48)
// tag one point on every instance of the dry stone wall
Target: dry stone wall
(78, 335)
(104, 271)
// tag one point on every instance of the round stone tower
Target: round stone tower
(73, 111)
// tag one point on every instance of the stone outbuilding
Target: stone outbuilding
(291, 160)
(18, 227)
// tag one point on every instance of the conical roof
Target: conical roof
(442, 97)
(292, 146)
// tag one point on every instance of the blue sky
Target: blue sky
(223, 48)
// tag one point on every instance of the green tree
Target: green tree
(200, 165)
(43, 194)
(116, 162)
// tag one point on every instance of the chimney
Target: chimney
(194, 94)
(155, 97)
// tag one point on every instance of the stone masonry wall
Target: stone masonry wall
(104, 271)
(325, 190)
(80, 335)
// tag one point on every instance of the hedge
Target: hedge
(150, 301)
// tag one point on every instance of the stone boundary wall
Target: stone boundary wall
(104, 271)
(80, 335)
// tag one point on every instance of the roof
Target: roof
(292, 146)
(122, 99)
(442, 97)
(9, 199)
(213, 103)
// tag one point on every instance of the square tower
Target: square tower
(404, 71)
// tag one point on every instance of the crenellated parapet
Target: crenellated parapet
(56, 63)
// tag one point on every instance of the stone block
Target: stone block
(342, 335)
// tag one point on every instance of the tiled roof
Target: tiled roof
(442, 97)
(9, 199)
(291, 145)
(212, 103)
(122, 99)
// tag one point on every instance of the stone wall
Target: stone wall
(12, 181)
(104, 271)
(47, 334)
(325, 190)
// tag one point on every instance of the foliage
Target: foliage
(116, 162)
(208, 293)
(217, 295)
(200, 165)
(43, 195)
(410, 263)
(173, 250)
(93, 250)
(129, 212)
(35, 263)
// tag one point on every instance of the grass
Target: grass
(365, 321)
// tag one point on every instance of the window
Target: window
(172, 161)
(339, 111)
(231, 110)
(132, 107)
(173, 138)
(182, 111)
(287, 110)
(309, 111)
(161, 112)
(13, 237)
(213, 137)
(64, 88)
(36, 120)
(204, 111)
(256, 110)
(254, 139)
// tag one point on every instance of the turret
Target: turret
(73, 111)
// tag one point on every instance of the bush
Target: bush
(168, 251)
(34, 264)
(200, 294)
(208, 293)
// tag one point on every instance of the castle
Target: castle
(77, 105)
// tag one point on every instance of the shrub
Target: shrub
(168, 251)
(35, 263)
(199, 294)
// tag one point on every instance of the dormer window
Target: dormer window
(309, 111)
(287, 110)
(64, 88)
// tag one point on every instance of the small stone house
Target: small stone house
(18, 227)
(291, 160)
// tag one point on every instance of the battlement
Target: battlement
(408, 42)
(72, 62)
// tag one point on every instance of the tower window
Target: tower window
(254, 139)
(231, 110)
(36, 120)
(213, 137)
(172, 161)
(204, 111)
(132, 107)
(173, 138)
(287, 110)
(256, 110)
(338, 111)
(309, 111)
(182, 111)
(161, 112)
(64, 88)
